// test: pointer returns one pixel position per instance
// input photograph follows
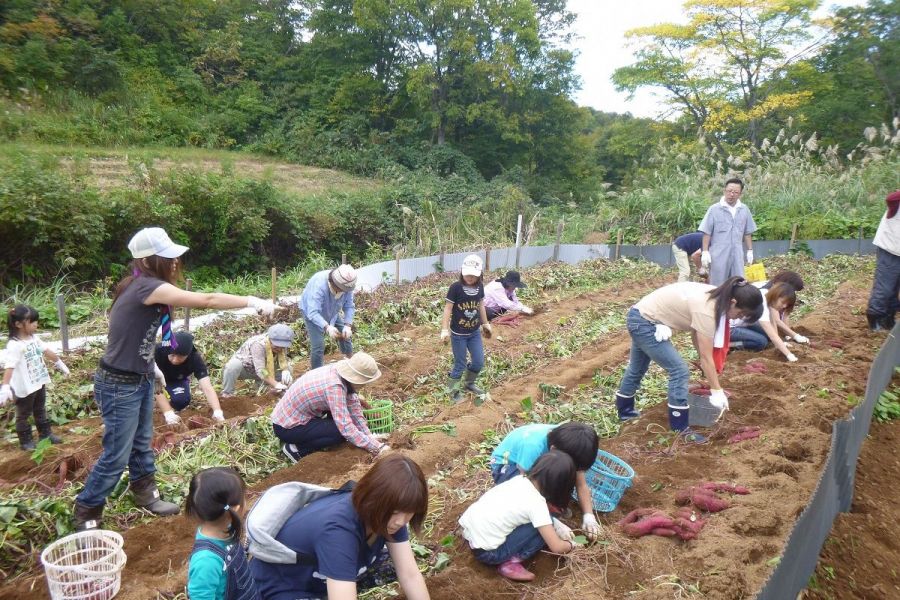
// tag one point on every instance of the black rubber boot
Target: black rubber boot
(88, 517)
(146, 495)
(470, 383)
(453, 389)
(26, 443)
(45, 431)
(625, 406)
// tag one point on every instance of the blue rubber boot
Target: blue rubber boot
(625, 406)
(678, 421)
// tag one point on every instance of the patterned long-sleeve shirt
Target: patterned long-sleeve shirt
(322, 391)
(252, 355)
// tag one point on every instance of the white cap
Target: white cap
(471, 265)
(344, 277)
(152, 241)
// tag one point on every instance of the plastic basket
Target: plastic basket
(84, 566)
(380, 416)
(608, 478)
(702, 413)
(755, 272)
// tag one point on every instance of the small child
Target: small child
(218, 569)
(523, 446)
(511, 522)
(465, 308)
(26, 376)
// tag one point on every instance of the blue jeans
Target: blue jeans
(524, 542)
(645, 348)
(883, 303)
(317, 342)
(179, 394)
(752, 337)
(315, 435)
(470, 344)
(127, 410)
(501, 473)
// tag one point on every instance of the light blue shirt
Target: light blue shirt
(523, 446)
(206, 572)
(320, 306)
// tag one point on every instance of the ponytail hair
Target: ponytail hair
(21, 313)
(747, 298)
(212, 493)
(554, 475)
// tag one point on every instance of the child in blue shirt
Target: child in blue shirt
(522, 447)
(218, 568)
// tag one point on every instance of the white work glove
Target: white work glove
(445, 335)
(5, 394)
(383, 449)
(702, 271)
(790, 356)
(801, 339)
(705, 259)
(262, 307)
(749, 257)
(527, 310)
(381, 436)
(488, 330)
(590, 525)
(171, 418)
(718, 399)
(562, 530)
(663, 332)
(347, 332)
(279, 387)
(332, 332)
(218, 416)
(286, 377)
(61, 367)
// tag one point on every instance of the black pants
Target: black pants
(883, 303)
(317, 434)
(33, 404)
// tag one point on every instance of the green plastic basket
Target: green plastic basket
(380, 416)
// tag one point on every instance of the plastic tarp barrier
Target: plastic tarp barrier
(573, 253)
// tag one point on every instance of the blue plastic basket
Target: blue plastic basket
(608, 478)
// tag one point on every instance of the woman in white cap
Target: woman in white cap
(464, 319)
(123, 383)
(327, 306)
(262, 358)
(322, 409)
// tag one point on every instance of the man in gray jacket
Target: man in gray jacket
(727, 227)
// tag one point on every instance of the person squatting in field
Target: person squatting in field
(322, 408)
(500, 296)
(779, 299)
(173, 368)
(123, 383)
(523, 446)
(328, 309)
(727, 226)
(262, 358)
(340, 542)
(702, 309)
(884, 301)
(687, 249)
(218, 568)
(25, 377)
(511, 522)
(463, 320)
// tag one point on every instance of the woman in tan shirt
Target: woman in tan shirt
(703, 310)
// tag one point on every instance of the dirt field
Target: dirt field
(793, 405)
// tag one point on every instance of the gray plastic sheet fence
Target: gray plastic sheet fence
(834, 491)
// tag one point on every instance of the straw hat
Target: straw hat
(359, 369)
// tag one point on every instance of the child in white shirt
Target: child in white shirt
(26, 376)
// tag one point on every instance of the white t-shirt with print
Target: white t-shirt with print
(487, 523)
(26, 359)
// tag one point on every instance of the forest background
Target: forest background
(447, 117)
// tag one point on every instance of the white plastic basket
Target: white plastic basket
(85, 566)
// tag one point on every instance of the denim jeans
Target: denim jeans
(315, 435)
(752, 337)
(317, 342)
(127, 410)
(645, 348)
(463, 344)
(524, 542)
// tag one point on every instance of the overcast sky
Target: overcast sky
(603, 48)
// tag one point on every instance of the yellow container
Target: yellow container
(755, 272)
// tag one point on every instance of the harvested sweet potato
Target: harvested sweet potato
(646, 523)
(702, 498)
(635, 515)
(717, 486)
(664, 532)
(755, 368)
(744, 435)
(836, 343)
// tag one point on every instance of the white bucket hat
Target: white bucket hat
(344, 277)
(471, 265)
(154, 241)
(359, 369)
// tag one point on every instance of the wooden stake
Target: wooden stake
(441, 260)
(618, 243)
(274, 288)
(487, 259)
(344, 259)
(559, 230)
(63, 323)
(793, 235)
(397, 268)
(187, 309)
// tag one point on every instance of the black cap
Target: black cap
(512, 279)
(184, 343)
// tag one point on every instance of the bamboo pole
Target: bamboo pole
(63, 322)
(274, 285)
(559, 231)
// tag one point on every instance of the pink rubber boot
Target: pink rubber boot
(513, 569)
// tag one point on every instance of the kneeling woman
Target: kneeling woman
(340, 538)
(780, 300)
(703, 310)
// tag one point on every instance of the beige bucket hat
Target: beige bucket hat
(359, 369)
